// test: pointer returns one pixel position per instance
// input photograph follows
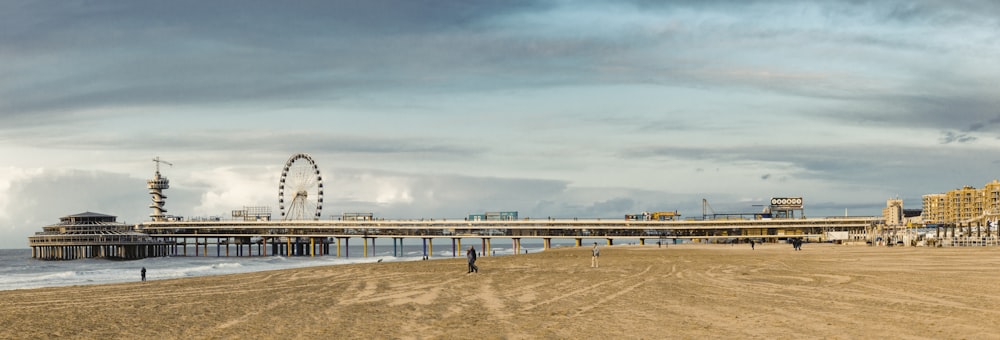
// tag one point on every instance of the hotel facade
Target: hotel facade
(962, 205)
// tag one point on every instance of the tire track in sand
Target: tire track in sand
(592, 287)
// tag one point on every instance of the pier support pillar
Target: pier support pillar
(312, 246)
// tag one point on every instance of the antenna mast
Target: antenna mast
(157, 160)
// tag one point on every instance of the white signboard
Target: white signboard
(836, 235)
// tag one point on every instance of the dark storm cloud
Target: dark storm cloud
(61, 59)
(178, 53)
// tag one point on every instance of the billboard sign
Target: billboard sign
(788, 202)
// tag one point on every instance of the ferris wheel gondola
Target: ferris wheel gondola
(300, 190)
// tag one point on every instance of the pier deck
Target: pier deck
(315, 237)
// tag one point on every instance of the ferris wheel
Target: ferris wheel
(300, 191)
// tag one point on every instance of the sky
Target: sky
(441, 109)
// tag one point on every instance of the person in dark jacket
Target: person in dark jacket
(471, 256)
(143, 273)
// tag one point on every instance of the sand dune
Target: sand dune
(691, 291)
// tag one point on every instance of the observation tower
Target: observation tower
(156, 186)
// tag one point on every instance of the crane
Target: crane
(705, 208)
(157, 160)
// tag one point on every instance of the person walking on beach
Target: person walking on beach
(143, 273)
(471, 256)
(751, 244)
(595, 253)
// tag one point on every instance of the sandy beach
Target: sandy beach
(639, 292)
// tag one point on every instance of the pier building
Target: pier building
(93, 235)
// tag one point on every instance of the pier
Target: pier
(331, 237)
(302, 231)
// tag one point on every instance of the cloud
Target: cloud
(948, 137)
(561, 109)
(266, 141)
(40, 198)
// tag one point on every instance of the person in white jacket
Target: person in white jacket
(593, 259)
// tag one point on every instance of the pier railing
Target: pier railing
(539, 228)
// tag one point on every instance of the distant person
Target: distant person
(595, 253)
(751, 245)
(797, 244)
(142, 272)
(471, 256)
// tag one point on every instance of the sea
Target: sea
(19, 271)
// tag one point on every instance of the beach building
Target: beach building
(893, 212)
(93, 235)
(962, 205)
(934, 206)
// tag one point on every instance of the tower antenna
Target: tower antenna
(157, 160)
